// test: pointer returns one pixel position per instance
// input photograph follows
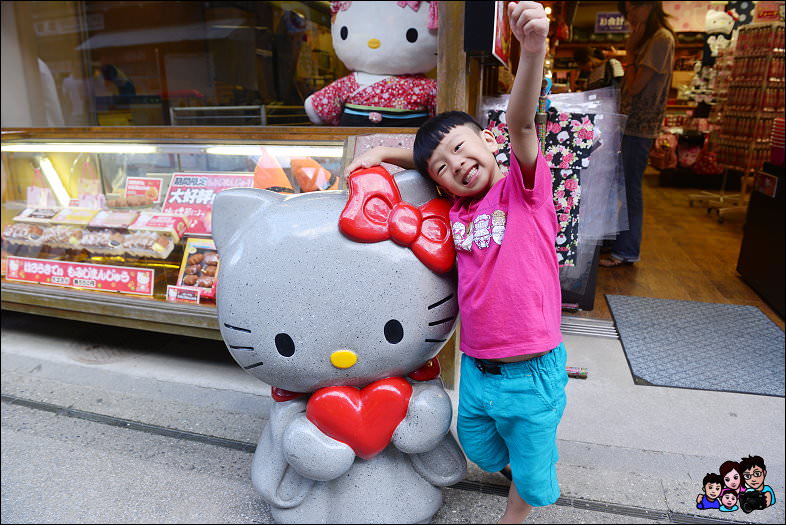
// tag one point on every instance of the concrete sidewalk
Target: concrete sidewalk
(103, 424)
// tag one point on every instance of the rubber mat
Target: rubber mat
(704, 346)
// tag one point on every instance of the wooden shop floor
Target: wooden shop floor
(685, 254)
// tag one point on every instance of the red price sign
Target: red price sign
(81, 275)
(148, 187)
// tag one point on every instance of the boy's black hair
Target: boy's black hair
(712, 477)
(752, 461)
(433, 131)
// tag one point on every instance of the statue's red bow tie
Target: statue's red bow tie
(375, 212)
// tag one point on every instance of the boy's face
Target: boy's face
(729, 500)
(463, 163)
(712, 490)
(754, 477)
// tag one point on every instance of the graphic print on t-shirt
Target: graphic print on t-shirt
(481, 231)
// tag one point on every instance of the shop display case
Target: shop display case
(107, 226)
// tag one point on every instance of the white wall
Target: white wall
(15, 107)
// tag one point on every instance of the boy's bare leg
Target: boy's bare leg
(516, 510)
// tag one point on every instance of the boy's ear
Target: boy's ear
(489, 140)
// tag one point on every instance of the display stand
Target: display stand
(754, 97)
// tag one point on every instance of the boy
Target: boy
(512, 392)
(712, 484)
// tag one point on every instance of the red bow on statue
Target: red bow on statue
(375, 212)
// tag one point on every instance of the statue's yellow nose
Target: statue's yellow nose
(343, 358)
(374, 43)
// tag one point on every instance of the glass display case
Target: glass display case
(117, 230)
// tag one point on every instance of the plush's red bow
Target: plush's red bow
(375, 212)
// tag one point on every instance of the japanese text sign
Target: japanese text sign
(192, 194)
(611, 22)
(81, 275)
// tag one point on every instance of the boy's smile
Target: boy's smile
(463, 163)
(712, 490)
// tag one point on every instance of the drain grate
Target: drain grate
(472, 486)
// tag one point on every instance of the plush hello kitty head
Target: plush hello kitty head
(718, 22)
(386, 38)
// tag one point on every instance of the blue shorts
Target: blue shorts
(512, 418)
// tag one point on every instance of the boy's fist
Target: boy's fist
(530, 25)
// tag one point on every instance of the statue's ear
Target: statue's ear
(415, 188)
(234, 208)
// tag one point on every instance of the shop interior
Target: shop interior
(175, 82)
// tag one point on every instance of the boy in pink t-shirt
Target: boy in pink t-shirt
(512, 393)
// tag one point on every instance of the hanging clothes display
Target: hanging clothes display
(582, 146)
(567, 148)
(569, 141)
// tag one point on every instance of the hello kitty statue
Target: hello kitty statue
(340, 303)
(388, 46)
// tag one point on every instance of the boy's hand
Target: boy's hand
(529, 25)
(376, 156)
(371, 158)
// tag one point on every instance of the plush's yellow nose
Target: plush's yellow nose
(343, 358)
(374, 43)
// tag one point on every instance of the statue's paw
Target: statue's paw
(313, 454)
(427, 421)
(442, 466)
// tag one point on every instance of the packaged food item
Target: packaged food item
(58, 236)
(37, 215)
(199, 268)
(103, 241)
(154, 234)
(113, 219)
(29, 226)
(74, 216)
(23, 233)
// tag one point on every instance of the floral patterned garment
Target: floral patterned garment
(569, 141)
(404, 92)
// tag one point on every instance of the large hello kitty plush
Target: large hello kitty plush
(340, 303)
(388, 46)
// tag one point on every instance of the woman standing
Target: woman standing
(645, 89)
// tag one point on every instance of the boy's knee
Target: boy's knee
(487, 460)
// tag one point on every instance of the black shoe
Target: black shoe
(507, 472)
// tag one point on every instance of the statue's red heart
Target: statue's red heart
(363, 419)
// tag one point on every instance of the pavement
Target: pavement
(111, 425)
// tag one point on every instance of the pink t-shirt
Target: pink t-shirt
(508, 292)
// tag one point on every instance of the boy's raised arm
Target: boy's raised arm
(374, 157)
(530, 26)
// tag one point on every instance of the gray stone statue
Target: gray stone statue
(344, 329)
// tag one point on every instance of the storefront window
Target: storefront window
(156, 63)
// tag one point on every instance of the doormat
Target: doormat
(703, 346)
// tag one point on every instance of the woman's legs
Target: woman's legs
(635, 152)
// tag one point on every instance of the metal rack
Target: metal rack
(744, 117)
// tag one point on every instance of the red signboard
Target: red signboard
(192, 194)
(81, 275)
(182, 294)
(149, 187)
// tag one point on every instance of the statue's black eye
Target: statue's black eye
(394, 332)
(412, 35)
(344, 32)
(285, 345)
